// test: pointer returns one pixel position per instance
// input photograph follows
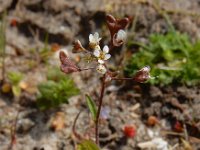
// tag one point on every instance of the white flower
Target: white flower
(121, 35)
(102, 55)
(101, 69)
(94, 40)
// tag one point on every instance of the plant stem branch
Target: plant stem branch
(77, 135)
(83, 69)
(114, 78)
(99, 110)
(13, 132)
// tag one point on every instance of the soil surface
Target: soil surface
(176, 108)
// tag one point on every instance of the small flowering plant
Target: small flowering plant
(100, 57)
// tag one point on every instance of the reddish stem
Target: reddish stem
(99, 110)
(83, 69)
(114, 78)
(13, 133)
(77, 135)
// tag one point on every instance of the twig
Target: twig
(99, 110)
(185, 132)
(191, 138)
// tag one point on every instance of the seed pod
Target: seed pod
(66, 65)
(142, 75)
(78, 47)
(114, 25)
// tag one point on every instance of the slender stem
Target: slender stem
(13, 132)
(3, 67)
(83, 69)
(99, 110)
(77, 135)
(114, 78)
(3, 44)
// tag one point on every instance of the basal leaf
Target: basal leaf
(16, 90)
(87, 145)
(91, 106)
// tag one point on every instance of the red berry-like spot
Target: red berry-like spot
(129, 131)
(152, 121)
(178, 127)
(13, 22)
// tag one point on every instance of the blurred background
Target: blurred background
(38, 103)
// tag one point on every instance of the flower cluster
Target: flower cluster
(100, 55)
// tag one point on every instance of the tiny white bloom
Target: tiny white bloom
(121, 35)
(146, 68)
(105, 49)
(102, 55)
(101, 69)
(96, 52)
(94, 39)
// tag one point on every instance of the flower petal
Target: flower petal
(96, 52)
(91, 38)
(100, 61)
(96, 35)
(107, 56)
(105, 49)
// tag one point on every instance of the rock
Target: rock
(24, 125)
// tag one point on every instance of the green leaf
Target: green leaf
(16, 90)
(91, 106)
(87, 145)
(15, 77)
(53, 93)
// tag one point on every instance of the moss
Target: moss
(172, 57)
(57, 90)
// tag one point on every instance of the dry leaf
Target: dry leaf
(186, 145)
(28, 87)
(6, 88)
(58, 121)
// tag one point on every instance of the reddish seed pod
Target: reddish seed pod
(114, 25)
(129, 131)
(78, 47)
(142, 75)
(66, 65)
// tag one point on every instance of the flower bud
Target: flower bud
(116, 28)
(78, 47)
(119, 38)
(142, 75)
